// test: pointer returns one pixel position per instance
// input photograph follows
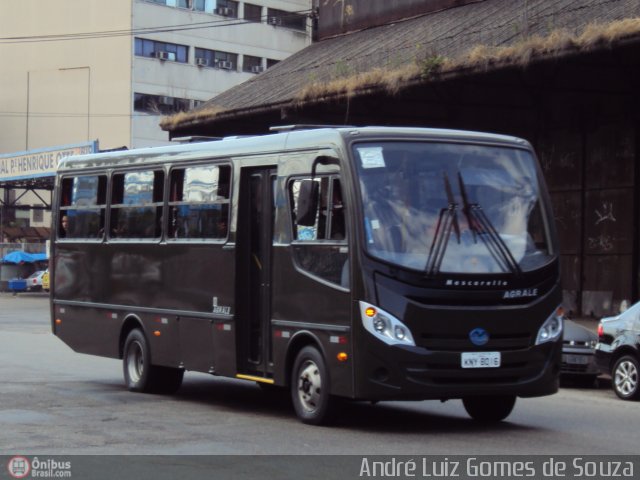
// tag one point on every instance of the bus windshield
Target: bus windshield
(452, 208)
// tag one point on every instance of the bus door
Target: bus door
(255, 227)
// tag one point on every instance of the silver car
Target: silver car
(34, 281)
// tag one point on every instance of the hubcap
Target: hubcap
(626, 378)
(135, 362)
(309, 386)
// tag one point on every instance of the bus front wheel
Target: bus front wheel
(140, 375)
(489, 409)
(310, 387)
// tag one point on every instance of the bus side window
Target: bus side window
(321, 249)
(136, 204)
(199, 202)
(82, 207)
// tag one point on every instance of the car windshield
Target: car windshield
(454, 208)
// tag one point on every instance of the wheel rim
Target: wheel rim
(135, 362)
(626, 378)
(309, 386)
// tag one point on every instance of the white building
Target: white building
(76, 71)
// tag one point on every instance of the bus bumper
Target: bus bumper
(415, 373)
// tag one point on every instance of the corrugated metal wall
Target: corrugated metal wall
(590, 172)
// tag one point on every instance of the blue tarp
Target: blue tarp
(20, 257)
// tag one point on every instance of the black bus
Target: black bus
(362, 263)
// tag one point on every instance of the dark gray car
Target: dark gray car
(618, 351)
(578, 346)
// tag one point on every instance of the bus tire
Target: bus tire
(310, 387)
(489, 409)
(139, 374)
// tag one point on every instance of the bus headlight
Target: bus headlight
(551, 329)
(385, 326)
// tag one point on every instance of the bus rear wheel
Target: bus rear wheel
(489, 409)
(140, 375)
(310, 387)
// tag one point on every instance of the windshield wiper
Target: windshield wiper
(481, 226)
(447, 220)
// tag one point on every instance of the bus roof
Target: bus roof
(296, 139)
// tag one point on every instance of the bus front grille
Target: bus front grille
(451, 342)
(449, 373)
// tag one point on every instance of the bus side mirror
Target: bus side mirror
(307, 203)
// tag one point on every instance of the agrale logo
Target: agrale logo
(526, 292)
(19, 467)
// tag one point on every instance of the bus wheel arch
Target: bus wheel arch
(140, 374)
(310, 383)
(131, 323)
(298, 342)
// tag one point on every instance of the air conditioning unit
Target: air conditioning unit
(224, 64)
(165, 100)
(202, 62)
(275, 21)
(256, 69)
(161, 55)
(224, 11)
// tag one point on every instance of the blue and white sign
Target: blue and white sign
(40, 163)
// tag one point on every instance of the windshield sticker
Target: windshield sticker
(371, 157)
(375, 224)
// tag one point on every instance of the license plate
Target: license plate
(575, 359)
(480, 360)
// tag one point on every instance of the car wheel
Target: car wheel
(140, 375)
(310, 387)
(624, 378)
(489, 409)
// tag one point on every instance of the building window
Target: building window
(216, 59)
(159, 104)
(82, 207)
(198, 5)
(227, 8)
(199, 202)
(136, 204)
(173, 3)
(271, 62)
(280, 18)
(38, 214)
(252, 13)
(251, 64)
(161, 50)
